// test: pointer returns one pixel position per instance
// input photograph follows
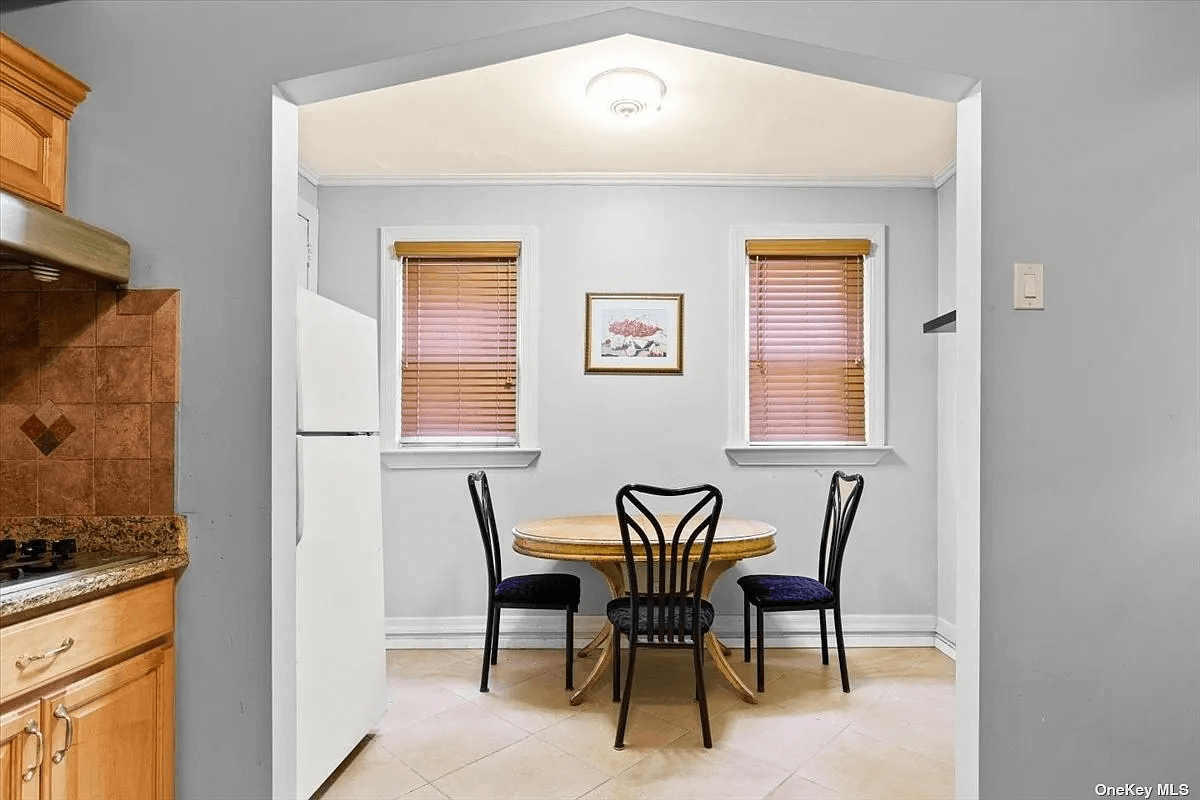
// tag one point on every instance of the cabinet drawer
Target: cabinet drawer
(83, 635)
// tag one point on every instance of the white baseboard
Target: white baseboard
(523, 629)
(945, 637)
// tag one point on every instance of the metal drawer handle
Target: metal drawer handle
(62, 713)
(25, 661)
(32, 727)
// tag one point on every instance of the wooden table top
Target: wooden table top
(597, 537)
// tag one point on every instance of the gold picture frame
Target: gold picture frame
(633, 334)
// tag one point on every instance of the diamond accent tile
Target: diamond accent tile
(47, 442)
(33, 427)
(48, 413)
(62, 428)
(47, 428)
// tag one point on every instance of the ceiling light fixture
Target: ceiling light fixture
(626, 91)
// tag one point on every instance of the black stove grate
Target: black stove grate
(36, 561)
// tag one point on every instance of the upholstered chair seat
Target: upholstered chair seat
(549, 589)
(675, 615)
(784, 590)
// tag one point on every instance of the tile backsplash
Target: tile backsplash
(89, 385)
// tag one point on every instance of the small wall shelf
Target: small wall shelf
(943, 324)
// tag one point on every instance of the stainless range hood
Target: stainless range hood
(44, 242)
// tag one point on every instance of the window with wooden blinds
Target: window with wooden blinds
(458, 381)
(806, 341)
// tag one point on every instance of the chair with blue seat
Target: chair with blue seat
(543, 591)
(664, 578)
(799, 593)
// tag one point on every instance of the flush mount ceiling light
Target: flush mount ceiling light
(626, 91)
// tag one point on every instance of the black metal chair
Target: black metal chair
(545, 591)
(798, 593)
(668, 611)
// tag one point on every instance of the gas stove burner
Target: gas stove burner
(39, 555)
(34, 561)
(33, 548)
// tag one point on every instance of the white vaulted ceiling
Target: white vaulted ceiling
(721, 117)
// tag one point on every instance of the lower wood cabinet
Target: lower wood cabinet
(109, 736)
(97, 734)
(22, 752)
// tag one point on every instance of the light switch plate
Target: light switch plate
(1028, 291)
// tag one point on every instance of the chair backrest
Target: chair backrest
(481, 498)
(675, 560)
(844, 494)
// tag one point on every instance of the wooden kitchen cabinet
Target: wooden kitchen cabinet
(103, 706)
(37, 99)
(21, 753)
(111, 733)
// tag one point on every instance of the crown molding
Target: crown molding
(624, 179)
(945, 173)
(309, 174)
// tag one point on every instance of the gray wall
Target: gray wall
(657, 239)
(947, 553)
(1091, 408)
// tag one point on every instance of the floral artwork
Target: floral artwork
(630, 336)
(634, 333)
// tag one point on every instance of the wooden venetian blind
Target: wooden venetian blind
(458, 377)
(806, 340)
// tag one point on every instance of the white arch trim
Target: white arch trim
(787, 53)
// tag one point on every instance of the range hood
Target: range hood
(45, 242)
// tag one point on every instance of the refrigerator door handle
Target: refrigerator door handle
(299, 489)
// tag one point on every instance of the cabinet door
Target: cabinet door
(111, 734)
(21, 754)
(33, 149)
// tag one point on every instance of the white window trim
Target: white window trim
(876, 448)
(398, 456)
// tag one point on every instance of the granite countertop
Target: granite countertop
(157, 544)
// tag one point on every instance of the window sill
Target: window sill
(459, 457)
(806, 456)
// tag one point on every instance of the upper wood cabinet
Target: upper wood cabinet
(36, 101)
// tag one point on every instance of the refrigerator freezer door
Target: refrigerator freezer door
(341, 684)
(337, 366)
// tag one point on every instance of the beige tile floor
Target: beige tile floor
(891, 737)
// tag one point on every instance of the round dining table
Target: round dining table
(596, 539)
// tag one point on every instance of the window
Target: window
(456, 348)
(808, 314)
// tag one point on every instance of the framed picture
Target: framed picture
(634, 333)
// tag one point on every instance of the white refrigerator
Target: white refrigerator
(341, 684)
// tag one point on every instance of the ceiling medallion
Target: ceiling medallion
(627, 91)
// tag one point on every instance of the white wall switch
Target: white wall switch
(1027, 287)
